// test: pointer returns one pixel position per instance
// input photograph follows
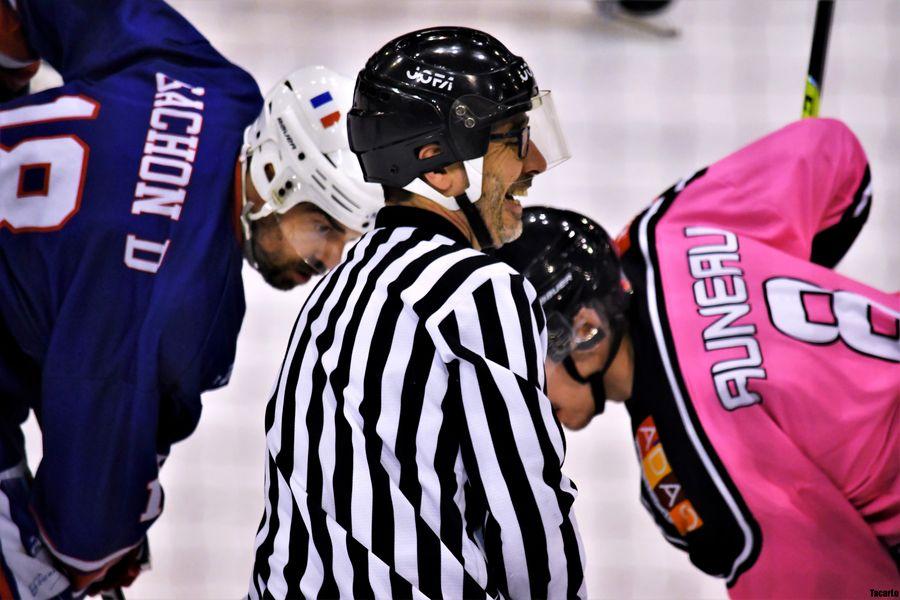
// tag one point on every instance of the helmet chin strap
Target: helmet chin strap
(474, 169)
(246, 205)
(248, 215)
(476, 222)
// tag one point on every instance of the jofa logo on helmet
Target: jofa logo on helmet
(525, 73)
(436, 78)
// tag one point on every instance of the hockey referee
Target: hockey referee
(411, 449)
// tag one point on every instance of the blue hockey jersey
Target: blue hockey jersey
(120, 285)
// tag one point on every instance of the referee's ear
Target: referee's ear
(450, 180)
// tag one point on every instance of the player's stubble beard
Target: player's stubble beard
(266, 238)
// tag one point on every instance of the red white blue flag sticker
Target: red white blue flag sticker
(322, 100)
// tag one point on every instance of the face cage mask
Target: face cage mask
(563, 337)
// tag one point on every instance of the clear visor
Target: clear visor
(586, 329)
(535, 128)
(545, 132)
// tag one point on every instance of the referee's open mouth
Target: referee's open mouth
(519, 189)
(513, 205)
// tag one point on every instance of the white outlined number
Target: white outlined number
(41, 179)
(852, 318)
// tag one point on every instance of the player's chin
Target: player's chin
(573, 419)
(280, 279)
(574, 422)
(279, 274)
(280, 283)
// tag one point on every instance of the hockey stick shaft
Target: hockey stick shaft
(816, 74)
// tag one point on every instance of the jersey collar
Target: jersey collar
(408, 216)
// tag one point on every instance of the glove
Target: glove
(117, 574)
(124, 571)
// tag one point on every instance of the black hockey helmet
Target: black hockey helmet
(572, 263)
(444, 85)
(644, 7)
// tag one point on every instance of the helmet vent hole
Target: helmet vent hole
(341, 204)
(288, 85)
(270, 171)
(317, 177)
(347, 199)
(301, 156)
(288, 184)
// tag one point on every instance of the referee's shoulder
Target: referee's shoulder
(485, 270)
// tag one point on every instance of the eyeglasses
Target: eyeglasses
(522, 137)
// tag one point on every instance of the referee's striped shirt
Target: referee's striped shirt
(411, 449)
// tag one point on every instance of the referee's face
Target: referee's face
(509, 166)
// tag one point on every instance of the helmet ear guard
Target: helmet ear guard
(474, 172)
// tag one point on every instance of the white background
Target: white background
(639, 112)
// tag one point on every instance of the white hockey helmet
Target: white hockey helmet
(300, 152)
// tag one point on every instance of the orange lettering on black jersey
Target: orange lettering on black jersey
(657, 471)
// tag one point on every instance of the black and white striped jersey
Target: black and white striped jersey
(411, 449)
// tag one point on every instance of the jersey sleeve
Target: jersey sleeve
(96, 489)
(99, 444)
(119, 387)
(802, 514)
(512, 445)
(89, 39)
(804, 189)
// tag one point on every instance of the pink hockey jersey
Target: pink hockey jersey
(767, 393)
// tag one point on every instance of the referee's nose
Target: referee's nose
(534, 161)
